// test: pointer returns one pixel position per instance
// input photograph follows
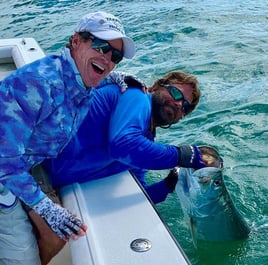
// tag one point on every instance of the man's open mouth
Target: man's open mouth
(99, 69)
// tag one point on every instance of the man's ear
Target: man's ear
(76, 41)
(153, 88)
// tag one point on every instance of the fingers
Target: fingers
(80, 232)
(145, 90)
(123, 88)
(74, 228)
(61, 221)
(199, 162)
(174, 171)
(71, 231)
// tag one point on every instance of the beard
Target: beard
(158, 111)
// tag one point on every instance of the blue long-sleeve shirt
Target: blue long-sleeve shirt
(42, 105)
(114, 137)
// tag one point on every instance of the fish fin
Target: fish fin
(192, 228)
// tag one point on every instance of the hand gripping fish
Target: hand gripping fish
(206, 201)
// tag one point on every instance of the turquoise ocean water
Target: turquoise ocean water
(223, 43)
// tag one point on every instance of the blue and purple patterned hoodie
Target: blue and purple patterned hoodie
(42, 106)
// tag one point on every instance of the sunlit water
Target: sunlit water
(223, 43)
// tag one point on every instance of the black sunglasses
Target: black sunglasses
(103, 46)
(177, 95)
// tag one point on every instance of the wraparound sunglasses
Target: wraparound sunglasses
(103, 46)
(177, 95)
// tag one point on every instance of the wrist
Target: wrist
(186, 155)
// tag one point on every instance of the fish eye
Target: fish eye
(217, 182)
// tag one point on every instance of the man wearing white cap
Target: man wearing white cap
(106, 27)
(42, 106)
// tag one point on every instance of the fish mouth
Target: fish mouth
(211, 156)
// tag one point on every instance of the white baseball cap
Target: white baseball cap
(107, 27)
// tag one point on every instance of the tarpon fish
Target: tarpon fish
(206, 201)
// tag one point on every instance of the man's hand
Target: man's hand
(190, 157)
(134, 81)
(60, 220)
(124, 80)
(49, 243)
(172, 179)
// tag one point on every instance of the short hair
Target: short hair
(85, 36)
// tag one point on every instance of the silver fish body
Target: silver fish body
(206, 201)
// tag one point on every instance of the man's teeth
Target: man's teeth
(98, 67)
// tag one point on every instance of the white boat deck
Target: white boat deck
(117, 212)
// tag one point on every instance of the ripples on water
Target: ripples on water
(225, 44)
